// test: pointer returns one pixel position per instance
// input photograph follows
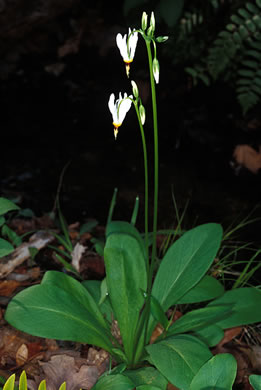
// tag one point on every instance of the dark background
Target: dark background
(59, 64)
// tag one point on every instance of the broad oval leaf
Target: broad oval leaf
(255, 381)
(179, 358)
(75, 289)
(58, 312)
(210, 335)
(185, 263)
(147, 376)
(246, 303)
(114, 382)
(123, 227)
(94, 288)
(126, 279)
(199, 318)
(207, 288)
(218, 373)
(7, 205)
(5, 248)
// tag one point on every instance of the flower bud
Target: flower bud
(144, 21)
(156, 69)
(162, 39)
(135, 89)
(142, 114)
(152, 21)
(150, 32)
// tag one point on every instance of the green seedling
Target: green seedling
(6, 247)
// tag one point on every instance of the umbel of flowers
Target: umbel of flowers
(127, 46)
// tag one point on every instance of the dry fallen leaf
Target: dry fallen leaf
(76, 254)
(247, 157)
(7, 287)
(64, 368)
(21, 355)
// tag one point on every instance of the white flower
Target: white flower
(127, 46)
(119, 109)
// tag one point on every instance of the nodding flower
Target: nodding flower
(119, 109)
(127, 46)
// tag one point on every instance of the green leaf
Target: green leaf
(185, 263)
(255, 381)
(179, 358)
(243, 32)
(9, 384)
(171, 11)
(147, 376)
(199, 318)
(246, 303)
(244, 13)
(218, 373)
(158, 313)
(42, 385)
(251, 26)
(210, 335)
(94, 288)
(252, 8)
(147, 387)
(23, 381)
(5, 248)
(208, 288)
(7, 205)
(67, 265)
(12, 236)
(126, 279)
(2, 220)
(114, 382)
(123, 227)
(59, 299)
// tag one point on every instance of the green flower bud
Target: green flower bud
(162, 39)
(135, 89)
(152, 21)
(144, 21)
(156, 69)
(142, 114)
(150, 32)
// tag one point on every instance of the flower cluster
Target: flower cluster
(127, 45)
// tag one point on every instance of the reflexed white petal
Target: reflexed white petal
(123, 47)
(125, 105)
(111, 103)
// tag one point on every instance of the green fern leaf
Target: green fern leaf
(242, 12)
(252, 8)
(251, 64)
(257, 20)
(243, 32)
